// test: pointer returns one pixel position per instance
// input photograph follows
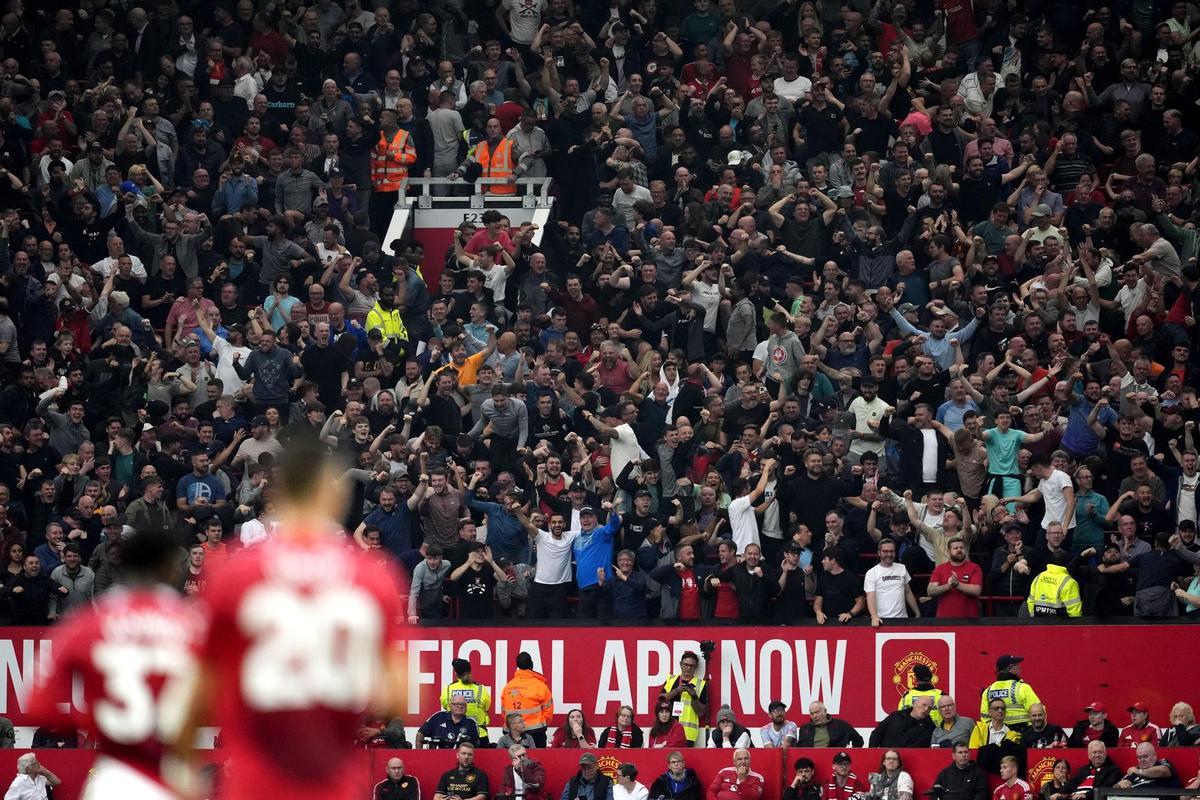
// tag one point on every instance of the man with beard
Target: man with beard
(957, 584)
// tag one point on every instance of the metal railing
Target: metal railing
(536, 192)
(1113, 793)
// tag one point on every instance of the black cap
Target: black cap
(354, 383)
(842, 758)
(1004, 662)
(259, 420)
(587, 510)
(642, 493)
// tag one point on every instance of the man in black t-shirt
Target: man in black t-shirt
(465, 781)
(839, 593)
(475, 583)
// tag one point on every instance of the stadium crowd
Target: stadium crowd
(847, 310)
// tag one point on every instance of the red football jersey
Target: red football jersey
(135, 653)
(299, 630)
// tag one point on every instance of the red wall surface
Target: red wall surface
(858, 672)
(774, 765)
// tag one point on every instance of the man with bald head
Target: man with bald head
(397, 785)
(738, 782)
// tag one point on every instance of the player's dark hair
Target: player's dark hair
(148, 555)
(299, 468)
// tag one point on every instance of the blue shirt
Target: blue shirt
(205, 486)
(505, 533)
(1079, 438)
(593, 551)
(395, 527)
(950, 414)
(940, 350)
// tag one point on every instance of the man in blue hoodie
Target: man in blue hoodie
(593, 561)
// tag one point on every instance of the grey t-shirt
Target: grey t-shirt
(8, 334)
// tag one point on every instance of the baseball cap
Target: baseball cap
(354, 383)
(96, 146)
(261, 419)
(587, 510)
(842, 758)
(587, 758)
(320, 201)
(56, 93)
(1139, 706)
(777, 704)
(1097, 707)
(1013, 526)
(909, 308)
(643, 493)
(1042, 210)
(1004, 662)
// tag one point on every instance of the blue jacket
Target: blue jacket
(505, 533)
(594, 551)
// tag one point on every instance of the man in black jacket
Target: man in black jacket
(963, 779)
(823, 730)
(909, 727)
(750, 584)
(812, 494)
(589, 775)
(913, 439)
(1099, 771)
(1096, 727)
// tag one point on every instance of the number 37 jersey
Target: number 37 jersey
(133, 655)
(298, 638)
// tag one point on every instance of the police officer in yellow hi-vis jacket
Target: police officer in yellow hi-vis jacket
(479, 699)
(1018, 696)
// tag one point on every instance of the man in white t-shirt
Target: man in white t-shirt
(887, 587)
(791, 85)
(621, 438)
(548, 594)
(523, 19)
(867, 408)
(1054, 488)
(742, 520)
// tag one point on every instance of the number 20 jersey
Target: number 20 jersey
(299, 632)
(134, 655)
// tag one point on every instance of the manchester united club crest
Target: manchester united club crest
(609, 766)
(1041, 772)
(902, 677)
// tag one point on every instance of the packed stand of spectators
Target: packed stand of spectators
(846, 311)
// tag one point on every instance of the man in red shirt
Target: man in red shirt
(738, 782)
(1012, 788)
(134, 652)
(301, 640)
(957, 583)
(727, 604)
(1140, 729)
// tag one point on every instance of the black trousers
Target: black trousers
(547, 601)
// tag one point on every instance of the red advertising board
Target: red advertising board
(72, 766)
(858, 672)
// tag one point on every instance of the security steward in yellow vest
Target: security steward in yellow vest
(388, 320)
(1054, 593)
(479, 699)
(1018, 696)
(922, 687)
(494, 157)
(688, 694)
(391, 157)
